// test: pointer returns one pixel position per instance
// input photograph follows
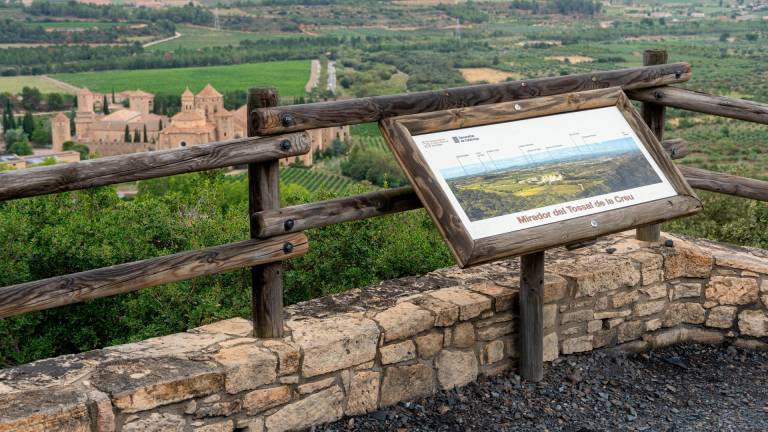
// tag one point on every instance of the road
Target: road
(314, 76)
(149, 44)
(332, 76)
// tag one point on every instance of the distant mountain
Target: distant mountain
(545, 157)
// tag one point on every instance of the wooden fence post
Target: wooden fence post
(653, 115)
(264, 194)
(532, 316)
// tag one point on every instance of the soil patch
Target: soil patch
(490, 75)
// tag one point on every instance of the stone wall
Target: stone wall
(357, 351)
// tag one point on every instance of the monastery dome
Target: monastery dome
(188, 119)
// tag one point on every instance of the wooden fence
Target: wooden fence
(276, 132)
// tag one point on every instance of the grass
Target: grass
(288, 76)
(193, 37)
(15, 84)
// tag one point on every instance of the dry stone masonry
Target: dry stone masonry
(358, 351)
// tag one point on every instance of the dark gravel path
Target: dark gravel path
(682, 388)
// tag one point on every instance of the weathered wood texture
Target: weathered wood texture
(264, 194)
(142, 166)
(319, 214)
(468, 251)
(532, 316)
(654, 116)
(270, 121)
(704, 103)
(725, 183)
(123, 278)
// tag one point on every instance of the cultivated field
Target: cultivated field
(288, 76)
(490, 75)
(196, 37)
(15, 84)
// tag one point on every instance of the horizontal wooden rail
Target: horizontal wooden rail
(380, 203)
(725, 183)
(704, 103)
(142, 166)
(291, 118)
(123, 278)
(319, 214)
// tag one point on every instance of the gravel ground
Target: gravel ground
(681, 388)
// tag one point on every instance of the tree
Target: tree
(127, 134)
(30, 98)
(72, 123)
(105, 106)
(16, 142)
(136, 136)
(160, 126)
(11, 122)
(55, 102)
(113, 95)
(145, 133)
(28, 123)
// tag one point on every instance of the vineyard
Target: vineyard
(315, 180)
(376, 142)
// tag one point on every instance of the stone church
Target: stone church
(202, 119)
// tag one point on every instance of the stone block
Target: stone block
(653, 325)
(727, 290)
(363, 393)
(594, 326)
(650, 307)
(263, 399)
(742, 261)
(596, 274)
(503, 297)
(429, 344)
(156, 422)
(53, 409)
(456, 368)
(404, 320)
(555, 287)
(622, 299)
(402, 383)
(613, 322)
(446, 314)
(721, 317)
(247, 367)
(218, 409)
(463, 335)
(604, 338)
(335, 343)
(397, 352)
(612, 314)
(234, 326)
(578, 344)
(678, 313)
(495, 331)
(288, 355)
(221, 426)
(102, 414)
(143, 384)
(322, 407)
(314, 386)
(577, 316)
(550, 316)
(652, 276)
(471, 304)
(550, 347)
(630, 330)
(678, 335)
(686, 290)
(492, 352)
(753, 323)
(686, 260)
(494, 319)
(655, 291)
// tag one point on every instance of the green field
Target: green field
(314, 180)
(15, 84)
(195, 37)
(288, 76)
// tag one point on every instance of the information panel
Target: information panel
(509, 176)
(515, 178)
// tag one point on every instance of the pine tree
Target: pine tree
(127, 134)
(28, 123)
(105, 106)
(145, 133)
(136, 136)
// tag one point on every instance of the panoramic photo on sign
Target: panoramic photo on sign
(520, 177)
(514, 175)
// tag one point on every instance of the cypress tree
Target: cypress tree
(105, 106)
(113, 95)
(145, 132)
(28, 123)
(72, 121)
(160, 126)
(127, 134)
(5, 121)
(136, 136)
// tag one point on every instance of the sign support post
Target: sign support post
(653, 115)
(532, 316)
